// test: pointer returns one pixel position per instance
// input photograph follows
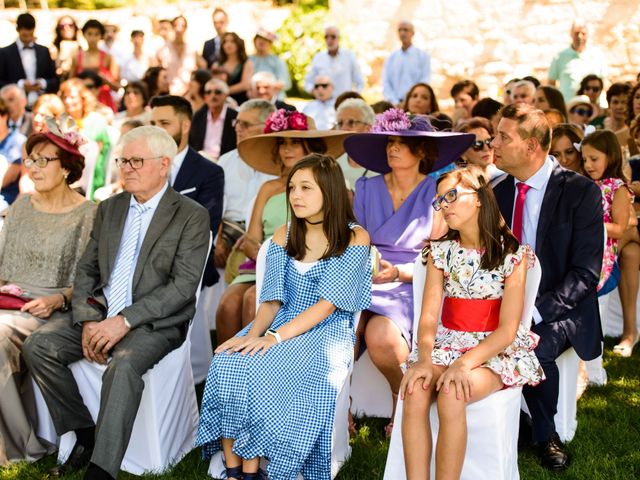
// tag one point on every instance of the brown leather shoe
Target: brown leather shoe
(553, 454)
(78, 459)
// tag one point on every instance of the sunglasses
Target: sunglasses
(217, 91)
(448, 197)
(583, 112)
(478, 145)
(592, 89)
(321, 85)
(330, 36)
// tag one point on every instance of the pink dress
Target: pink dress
(608, 187)
(464, 279)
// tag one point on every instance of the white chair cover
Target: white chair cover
(165, 427)
(340, 448)
(612, 321)
(492, 439)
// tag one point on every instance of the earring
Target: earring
(65, 175)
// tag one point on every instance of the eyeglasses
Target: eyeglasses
(217, 91)
(583, 112)
(322, 85)
(133, 162)
(478, 145)
(41, 162)
(340, 124)
(242, 125)
(592, 89)
(449, 197)
(330, 35)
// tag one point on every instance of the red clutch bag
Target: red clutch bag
(9, 301)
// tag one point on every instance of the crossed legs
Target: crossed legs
(452, 433)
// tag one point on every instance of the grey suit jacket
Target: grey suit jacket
(168, 270)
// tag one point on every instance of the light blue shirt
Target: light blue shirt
(569, 67)
(274, 64)
(323, 113)
(147, 216)
(342, 68)
(532, 207)
(402, 70)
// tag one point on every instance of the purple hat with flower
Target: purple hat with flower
(370, 149)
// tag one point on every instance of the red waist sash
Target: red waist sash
(471, 315)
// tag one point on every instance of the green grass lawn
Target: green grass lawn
(606, 445)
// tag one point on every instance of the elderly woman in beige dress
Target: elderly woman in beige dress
(42, 239)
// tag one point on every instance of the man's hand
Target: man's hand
(103, 336)
(220, 255)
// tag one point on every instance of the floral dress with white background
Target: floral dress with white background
(463, 278)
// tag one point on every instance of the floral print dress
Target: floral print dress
(608, 187)
(463, 278)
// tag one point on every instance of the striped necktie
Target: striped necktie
(123, 271)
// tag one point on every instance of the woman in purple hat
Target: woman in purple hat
(43, 237)
(395, 209)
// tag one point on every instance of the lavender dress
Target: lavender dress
(399, 237)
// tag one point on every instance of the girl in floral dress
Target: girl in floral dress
(480, 346)
(602, 161)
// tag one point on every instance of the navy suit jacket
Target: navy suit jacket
(11, 69)
(199, 130)
(203, 181)
(209, 51)
(569, 245)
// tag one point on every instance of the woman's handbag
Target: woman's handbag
(8, 301)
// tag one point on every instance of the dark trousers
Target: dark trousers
(542, 399)
(55, 345)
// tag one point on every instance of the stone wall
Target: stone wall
(489, 41)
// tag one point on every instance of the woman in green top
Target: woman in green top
(288, 137)
(80, 104)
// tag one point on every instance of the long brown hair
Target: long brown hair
(495, 236)
(337, 210)
(605, 141)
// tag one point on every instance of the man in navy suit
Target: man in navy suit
(211, 48)
(191, 175)
(559, 213)
(28, 64)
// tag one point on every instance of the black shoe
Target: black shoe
(94, 472)
(78, 459)
(553, 454)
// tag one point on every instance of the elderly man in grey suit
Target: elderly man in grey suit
(134, 294)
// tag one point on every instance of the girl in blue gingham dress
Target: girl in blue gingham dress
(274, 395)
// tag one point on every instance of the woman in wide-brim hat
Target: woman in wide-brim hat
(288, 138)
(395, 208)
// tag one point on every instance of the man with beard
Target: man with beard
(191, 174)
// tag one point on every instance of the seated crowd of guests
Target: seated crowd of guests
(117, 170)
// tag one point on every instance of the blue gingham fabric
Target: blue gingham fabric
(281, 405)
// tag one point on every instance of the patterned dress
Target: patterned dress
(463, 278)
(608, 187)
(280, 405)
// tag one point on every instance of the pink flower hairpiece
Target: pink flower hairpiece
(66, 129)
(282, 120)
(396, 120)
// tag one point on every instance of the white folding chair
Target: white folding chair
(340, 448)
(165, 427)
(492, 423)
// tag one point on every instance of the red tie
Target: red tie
(516, 225)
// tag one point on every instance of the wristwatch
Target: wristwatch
(274, 334)
(66, 305)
